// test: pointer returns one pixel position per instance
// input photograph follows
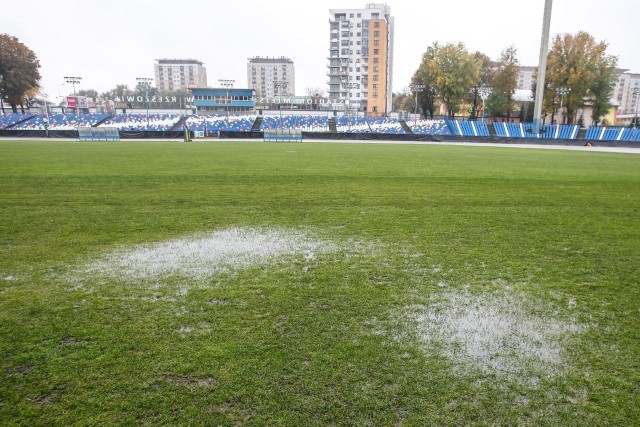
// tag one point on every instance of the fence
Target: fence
(98, 134)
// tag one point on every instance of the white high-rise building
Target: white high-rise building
(627, 92)
(271, 77)
(361, 58)
(175, 74)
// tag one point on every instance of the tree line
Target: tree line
(449, 76)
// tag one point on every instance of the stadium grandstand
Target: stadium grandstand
(212, 125)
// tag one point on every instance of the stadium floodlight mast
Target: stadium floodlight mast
(227, 84)
(416, 88)
(1, 97)
(282, 86)
(562, 91)
(542, 66)
(74, 81)
(636, 92)
(146, 83)
(348, 86)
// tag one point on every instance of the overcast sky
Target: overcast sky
(113, 42)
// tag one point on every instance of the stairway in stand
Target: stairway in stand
(256, 124)
(405, 126)
(332, 125)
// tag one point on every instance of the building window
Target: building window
(376, 51)
(376, 69)
(375, 85)
(375, 77)
(376, 25)
(375, 94)
(375, 15)
(359, 15)
(376, 34)
(376, 60)
(376, 42)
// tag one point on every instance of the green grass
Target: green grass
(331, 342)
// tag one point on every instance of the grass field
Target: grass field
(160, 283)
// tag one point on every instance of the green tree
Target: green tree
(143, 89)
(19, 68)
(119, 91)
(505, 79)
(89, 93)
(497, 104)
(424, 76)
(485, 79)
(453, 71)
(403, 101)
(581, 64)
(602, 88)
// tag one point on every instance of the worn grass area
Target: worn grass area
(317, 284)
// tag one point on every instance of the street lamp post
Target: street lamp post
(226, 83)
(146, 83)
(75, 80)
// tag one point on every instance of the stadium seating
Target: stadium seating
(8, 120)
(382, 125)
(467, 128)
(215, 123)
(305, 123)
(429, 127)
(61, 121)
(525, 130)
(138, 122)
(614, 133)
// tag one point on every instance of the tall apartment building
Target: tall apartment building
(627, 93)
(525, 77)
(271, 77)
(361, 58)
(175, 74)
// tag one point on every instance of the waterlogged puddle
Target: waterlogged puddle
(500, 333)
(204, 256)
